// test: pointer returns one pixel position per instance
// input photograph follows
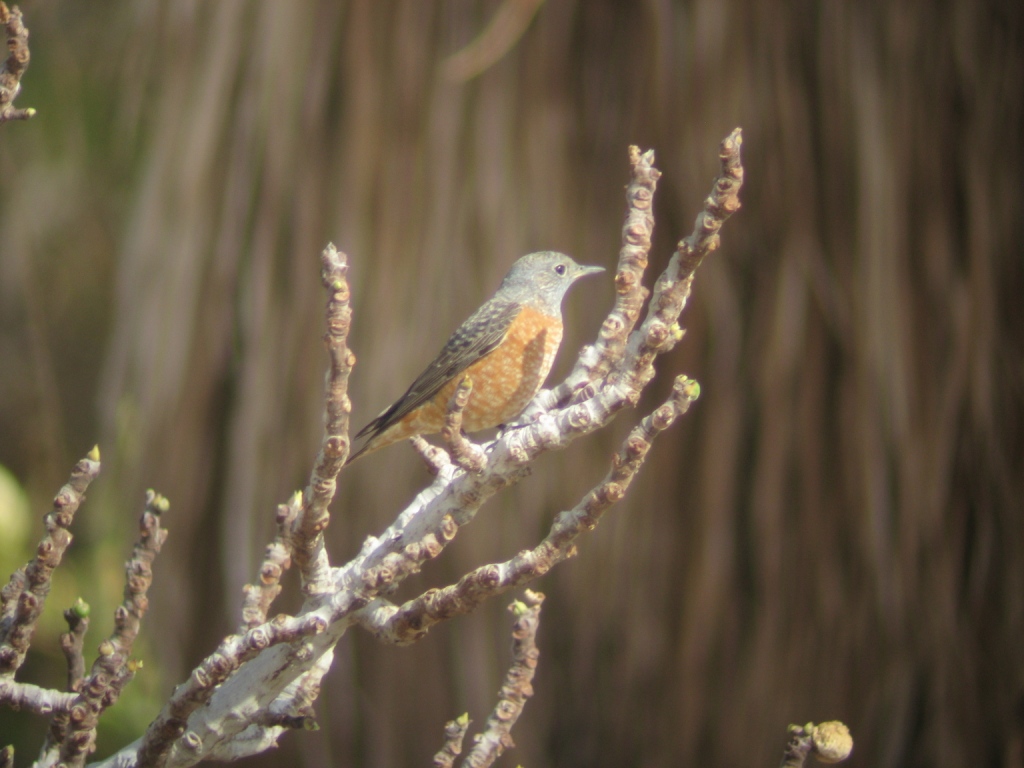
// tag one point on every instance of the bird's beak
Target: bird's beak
(585, 270)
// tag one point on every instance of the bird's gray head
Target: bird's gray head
(541, 279)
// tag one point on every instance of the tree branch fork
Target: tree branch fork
(264, 679)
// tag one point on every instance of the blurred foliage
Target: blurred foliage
(834, 531)
(14, 522)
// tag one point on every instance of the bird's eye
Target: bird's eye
(559, 269)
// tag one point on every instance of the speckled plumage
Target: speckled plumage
(506, 347)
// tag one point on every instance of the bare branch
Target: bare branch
(468, 456)
(112, 669)
(266, 678)
(32, 698)
(454, 734)
(309, 552)
(722, 203)
(594, 403)
(410, 622)
(72, 641)
(436, 515)
(660, 331)
(597, 360)
(435, 458)
(276, 560)
(139, 574)
(25, 594)
(14, 66)
(261, 681)
(233, 651)
(497, 736)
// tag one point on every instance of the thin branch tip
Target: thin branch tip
(466, 454)
(518, 687)
(306, 538)
(13, 67)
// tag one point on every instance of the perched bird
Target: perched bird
(506, 347)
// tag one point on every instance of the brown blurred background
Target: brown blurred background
(834, 531)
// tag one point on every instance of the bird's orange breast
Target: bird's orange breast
(504, 381)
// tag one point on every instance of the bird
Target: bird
(506, 348)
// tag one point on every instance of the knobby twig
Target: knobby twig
(170, 725)
(300, 526)
(221, 714)
(32, 698)
(830, 742)
(467, 455)
(497, 736)
(629, 369)
(454, 734)
(301, 522)
(75, 713)
(72, 644)
(597, 360)
(310, 554)
(264, 679)
(433, 457)
(22, 600)
(276, 560)
(408, 623)
(14, 66)
(113, 668)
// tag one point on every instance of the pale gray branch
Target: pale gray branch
(265, 679)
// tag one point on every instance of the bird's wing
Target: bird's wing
(475, 338)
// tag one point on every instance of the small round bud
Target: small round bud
(832, 742)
